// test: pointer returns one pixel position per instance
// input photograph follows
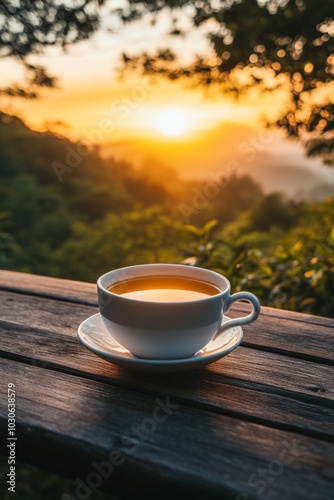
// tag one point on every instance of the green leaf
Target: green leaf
(210, 225)
(295, 250)
(266, 269)
(192, 229)
(331, 236)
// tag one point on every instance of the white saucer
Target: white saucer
(94, 335)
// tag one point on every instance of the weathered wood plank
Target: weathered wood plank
(42, 312)
(85, 293)
(67, 423)
(255, 385)
(280, 335)
(291, 337)
(55, 316)
(43, 286)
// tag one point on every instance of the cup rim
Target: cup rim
(169, 302)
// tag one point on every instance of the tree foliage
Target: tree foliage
(29, 26)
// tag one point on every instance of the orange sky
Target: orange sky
(134, 106)
(90, 97)
(193, 130)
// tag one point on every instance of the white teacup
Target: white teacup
(168, 329)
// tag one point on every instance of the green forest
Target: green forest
(67, 211)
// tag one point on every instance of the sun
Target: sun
(172, 122)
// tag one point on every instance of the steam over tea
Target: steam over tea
(164, 289)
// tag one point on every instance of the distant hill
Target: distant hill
(274, 162)
(297, 182)
(87, 184)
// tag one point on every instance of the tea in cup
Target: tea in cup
(168, 311)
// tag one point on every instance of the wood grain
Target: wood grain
(254, 385)
(42, 286)
(68, 422)
(234, 422)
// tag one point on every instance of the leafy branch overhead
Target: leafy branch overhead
(29, 26)
(269, 44)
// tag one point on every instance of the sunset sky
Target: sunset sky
(90, 94)
(92, 103)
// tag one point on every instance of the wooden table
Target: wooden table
(258, 424)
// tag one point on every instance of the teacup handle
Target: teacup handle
(252, 299)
